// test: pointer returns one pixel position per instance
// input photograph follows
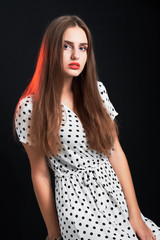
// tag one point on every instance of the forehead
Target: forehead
(75, 35)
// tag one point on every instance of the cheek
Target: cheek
(84, 60)
(66, 56)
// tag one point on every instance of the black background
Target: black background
(125, 36)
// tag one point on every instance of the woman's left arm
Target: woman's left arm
(120, 165)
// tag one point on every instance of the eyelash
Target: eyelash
(85, 48)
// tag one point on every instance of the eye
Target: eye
(83, 48)
(67, 46)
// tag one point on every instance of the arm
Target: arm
(120, 165)
(42, 187)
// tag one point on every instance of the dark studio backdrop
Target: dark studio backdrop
(126, 48)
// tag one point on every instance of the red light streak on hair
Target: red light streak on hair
(34, 85)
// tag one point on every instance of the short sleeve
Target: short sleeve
(23, 119)
(104, 95)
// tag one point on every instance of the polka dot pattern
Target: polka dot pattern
(89, 199)
(105, 98)
(23, 119)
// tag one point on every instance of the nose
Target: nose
(75, 54)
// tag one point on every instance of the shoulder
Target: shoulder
(105, 98)
(23, 119)
(24, 110)
(100, 85)
(25, 105)
(102, 90)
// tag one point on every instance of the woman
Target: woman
(65, 120)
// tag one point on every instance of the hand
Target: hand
(142, 231)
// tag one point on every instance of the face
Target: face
(75, 45)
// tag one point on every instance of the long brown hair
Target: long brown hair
(47, 84)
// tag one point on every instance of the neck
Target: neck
(67, 85)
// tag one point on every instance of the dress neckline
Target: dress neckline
(69, 109)
(72, 112)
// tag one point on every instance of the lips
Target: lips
(74, 65)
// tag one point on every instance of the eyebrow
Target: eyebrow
(69, 42)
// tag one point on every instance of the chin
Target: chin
(76, 74)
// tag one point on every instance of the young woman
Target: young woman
(65, 121)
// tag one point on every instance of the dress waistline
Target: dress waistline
(89, 176)
(82, 170)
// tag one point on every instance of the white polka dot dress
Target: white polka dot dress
(89, 199)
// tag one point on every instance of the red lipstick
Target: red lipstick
(74, 65)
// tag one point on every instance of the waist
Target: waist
(81, 170)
